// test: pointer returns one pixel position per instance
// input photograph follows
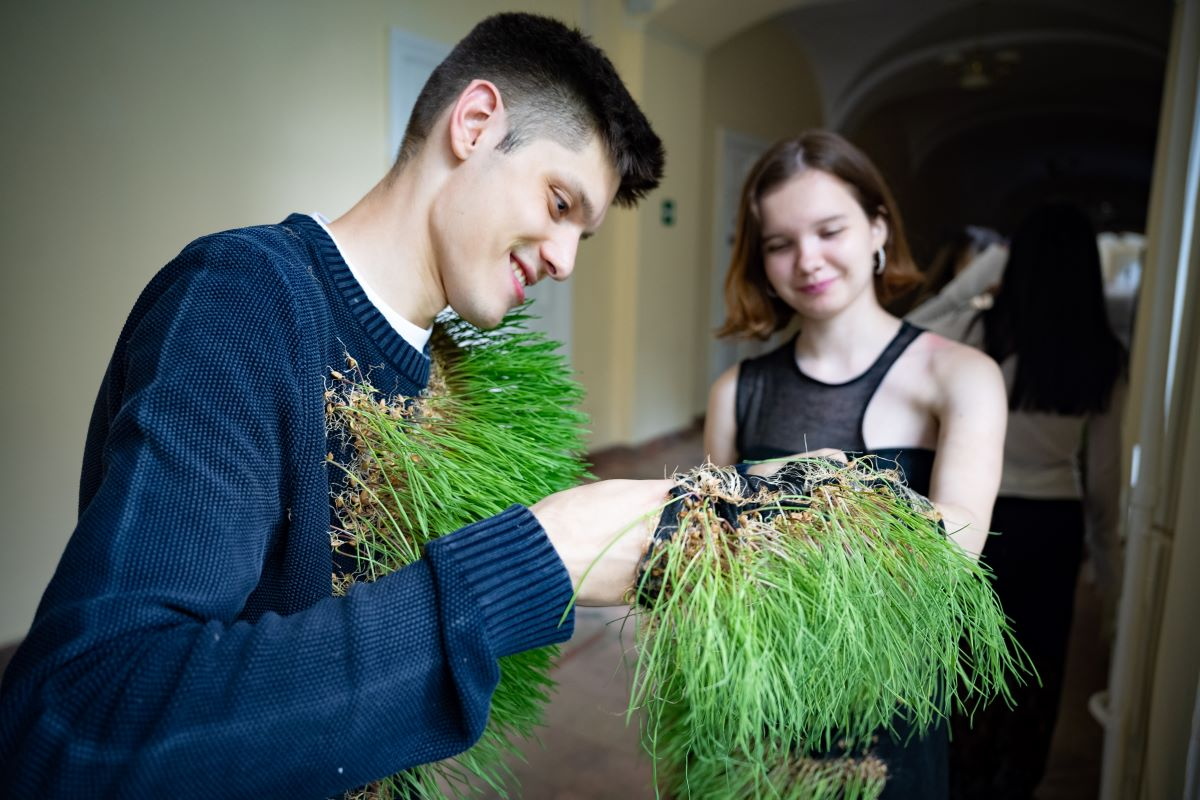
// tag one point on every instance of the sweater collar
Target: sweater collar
(410, 363)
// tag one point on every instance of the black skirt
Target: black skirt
(1036, 561)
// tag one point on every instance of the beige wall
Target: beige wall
(757, 83)
(1151, 743)
(1176, 675)
(657, 275)
(666, 355)
(605, 279)
(129, 128)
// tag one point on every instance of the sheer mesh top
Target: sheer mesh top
(781, 411)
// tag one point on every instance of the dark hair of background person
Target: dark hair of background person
(752, 308)
(555, 84)
(1050, 313)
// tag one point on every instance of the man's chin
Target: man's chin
(485, 321)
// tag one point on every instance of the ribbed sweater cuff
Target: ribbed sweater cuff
(515, 575)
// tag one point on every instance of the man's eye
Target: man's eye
(561, 206)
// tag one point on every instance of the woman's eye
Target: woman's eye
(561, 206)
(776, 247)
(829, 234)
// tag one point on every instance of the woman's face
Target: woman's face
(819, 245)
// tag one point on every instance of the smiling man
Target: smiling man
(188, 645)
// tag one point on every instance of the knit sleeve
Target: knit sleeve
(142, 675)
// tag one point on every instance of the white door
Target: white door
(411, 60)
(736, 154)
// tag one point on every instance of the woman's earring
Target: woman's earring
(880, 261)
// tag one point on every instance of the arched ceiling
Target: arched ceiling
(974, 108)
(704, 24)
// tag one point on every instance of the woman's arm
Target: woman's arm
(972, 417)
(720, 421)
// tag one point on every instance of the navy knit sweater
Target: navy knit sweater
(188, 645)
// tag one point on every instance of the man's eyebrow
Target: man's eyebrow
(585, 203)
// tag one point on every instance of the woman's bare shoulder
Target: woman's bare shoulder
(953, 367)
(945, 353)
(965, 375)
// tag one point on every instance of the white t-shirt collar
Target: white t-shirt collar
(414, 334)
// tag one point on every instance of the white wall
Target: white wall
(1151, 739)
(131, 128)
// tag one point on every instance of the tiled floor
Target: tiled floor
(588, 752)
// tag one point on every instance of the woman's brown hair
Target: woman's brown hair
(752, 308)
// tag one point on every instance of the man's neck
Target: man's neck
(386, 234)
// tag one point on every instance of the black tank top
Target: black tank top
(780, 410)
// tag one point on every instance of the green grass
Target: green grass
(498, 425)
(770, 641)
(762, 644)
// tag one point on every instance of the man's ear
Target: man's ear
(478, 110)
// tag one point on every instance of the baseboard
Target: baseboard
(649, 446)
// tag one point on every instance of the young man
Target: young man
(188, 644)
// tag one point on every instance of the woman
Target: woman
(1064, 371)
(819, 240)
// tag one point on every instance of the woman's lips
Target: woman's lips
(818, 287)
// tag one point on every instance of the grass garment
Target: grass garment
(777, 618)
(781, 618)
(497, 425)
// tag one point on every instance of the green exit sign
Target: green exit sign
(668, 212)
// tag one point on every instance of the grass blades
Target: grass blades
(807, 622)
(815, 620)
(789, 778)
(498, 425)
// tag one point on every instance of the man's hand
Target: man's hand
(603, 526)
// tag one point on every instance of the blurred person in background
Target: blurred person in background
(962, 247)
(1064, 372)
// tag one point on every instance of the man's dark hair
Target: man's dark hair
(556, 84)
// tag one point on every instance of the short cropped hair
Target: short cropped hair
(555, 84)
(752, 308)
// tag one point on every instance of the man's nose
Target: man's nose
(558, 252)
